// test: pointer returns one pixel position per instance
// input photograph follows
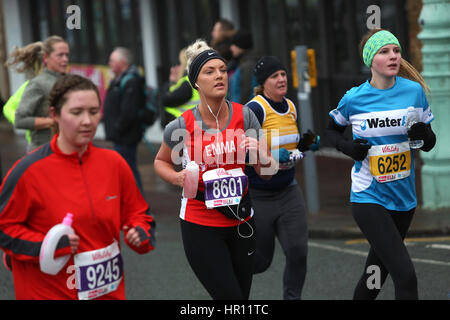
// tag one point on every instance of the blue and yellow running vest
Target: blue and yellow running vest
(280, 129)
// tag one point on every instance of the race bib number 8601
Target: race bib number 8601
(224, 187)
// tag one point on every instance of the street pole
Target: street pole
(305, 122)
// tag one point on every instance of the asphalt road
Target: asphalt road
(334, 267)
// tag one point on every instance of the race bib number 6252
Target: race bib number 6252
(390, 162)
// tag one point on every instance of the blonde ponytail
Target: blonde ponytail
(27, 59)
(408, 71)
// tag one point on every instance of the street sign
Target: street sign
(312, 70)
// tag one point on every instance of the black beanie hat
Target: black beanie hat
(266, 66)
(243, 39)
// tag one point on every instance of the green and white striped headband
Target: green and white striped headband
(375, 43)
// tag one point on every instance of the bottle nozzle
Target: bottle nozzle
(68, 219)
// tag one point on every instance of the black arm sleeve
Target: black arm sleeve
(335, 133)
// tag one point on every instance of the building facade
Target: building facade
(155, 30)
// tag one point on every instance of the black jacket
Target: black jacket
(121, 109)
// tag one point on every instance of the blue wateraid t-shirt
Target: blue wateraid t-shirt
(386, 175)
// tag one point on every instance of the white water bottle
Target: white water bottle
(47, 262)
(411, 118)
(191, 180)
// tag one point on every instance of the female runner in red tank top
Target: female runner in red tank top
(222, 138)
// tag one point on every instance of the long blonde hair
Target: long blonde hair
(407, 70)
(29, 59)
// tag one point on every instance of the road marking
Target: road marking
(438, 246)
(429, 261)
(425, 239)
(338, 249)
(364, 254)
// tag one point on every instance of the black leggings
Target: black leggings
(221, 259)
(385, 231)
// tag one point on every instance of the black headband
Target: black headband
(199, 61)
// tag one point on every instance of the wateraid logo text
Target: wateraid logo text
(381, 123)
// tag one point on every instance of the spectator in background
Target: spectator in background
(33, 110)
(242, 78)
(124, 98)
(10, 107)
(178, 94)
(221, 35)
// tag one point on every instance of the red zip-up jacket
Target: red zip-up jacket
(98, 189)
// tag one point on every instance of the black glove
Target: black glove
(357, 149)
(419, 131)
(309, 138)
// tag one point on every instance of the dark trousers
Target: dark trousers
(385, 231)
(221, 258)
(282, 213)
(128, 152)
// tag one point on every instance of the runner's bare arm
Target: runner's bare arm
(164, 167)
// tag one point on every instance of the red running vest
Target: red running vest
(206, 150)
